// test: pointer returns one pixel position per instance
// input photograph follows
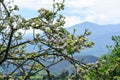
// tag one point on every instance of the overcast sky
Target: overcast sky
(77, 11)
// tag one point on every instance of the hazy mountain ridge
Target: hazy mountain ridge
(101, 36)
(65, 65)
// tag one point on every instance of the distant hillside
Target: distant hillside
(101, 36)
(65, 65)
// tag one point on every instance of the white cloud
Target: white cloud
(72, 20)
(108, 8)
(79, 3)
(34, 4)
(98, 11)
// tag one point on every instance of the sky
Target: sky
(76, 11)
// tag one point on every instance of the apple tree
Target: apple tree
(27, 54)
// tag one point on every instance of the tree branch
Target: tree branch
(8, 47)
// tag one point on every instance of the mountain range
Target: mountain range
(101, 36)
(65, 65)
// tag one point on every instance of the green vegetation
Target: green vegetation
(110, 70)
(106, 68)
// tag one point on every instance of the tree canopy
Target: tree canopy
(27, 54)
